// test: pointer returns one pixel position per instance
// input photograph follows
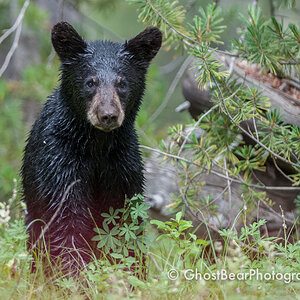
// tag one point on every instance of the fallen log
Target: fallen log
(229, 201)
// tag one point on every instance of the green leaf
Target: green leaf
(178, 216)
(135, 282)
(117, 255)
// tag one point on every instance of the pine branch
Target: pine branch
(262, 187)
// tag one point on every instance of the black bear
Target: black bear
(82, 155)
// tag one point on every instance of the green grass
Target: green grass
(176, 248)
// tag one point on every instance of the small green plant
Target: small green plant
(249, 239)
(122, 235)
(13, 254)
(178, 231)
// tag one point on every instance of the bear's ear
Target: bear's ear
(67, 42)
(145, 45)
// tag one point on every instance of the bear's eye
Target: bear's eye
(92, 82)
(121, 83)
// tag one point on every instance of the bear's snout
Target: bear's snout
(105, 111)
(108, 119)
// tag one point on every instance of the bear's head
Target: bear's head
(102, 81)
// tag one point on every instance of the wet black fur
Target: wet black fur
(64, 147)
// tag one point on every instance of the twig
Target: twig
(170, 91)
(255, 128)
(228, 182)
(17, 22)
(190, 181)
(154, 261)
(17, 26)
(61, 10)
(171, 66)
(284, 227)
(272, 8)
(78, 253)
(276, 213)
(279, 188)
(60, 17)
(12, 50)
(216, 198)
(14, 194)
(281, 172)
(56, 213)
(194, 127)
(187, 205)
(92, 23)
(146, 137)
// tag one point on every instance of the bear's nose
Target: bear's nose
(108, 118)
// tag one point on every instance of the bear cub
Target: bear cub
(82, 155)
